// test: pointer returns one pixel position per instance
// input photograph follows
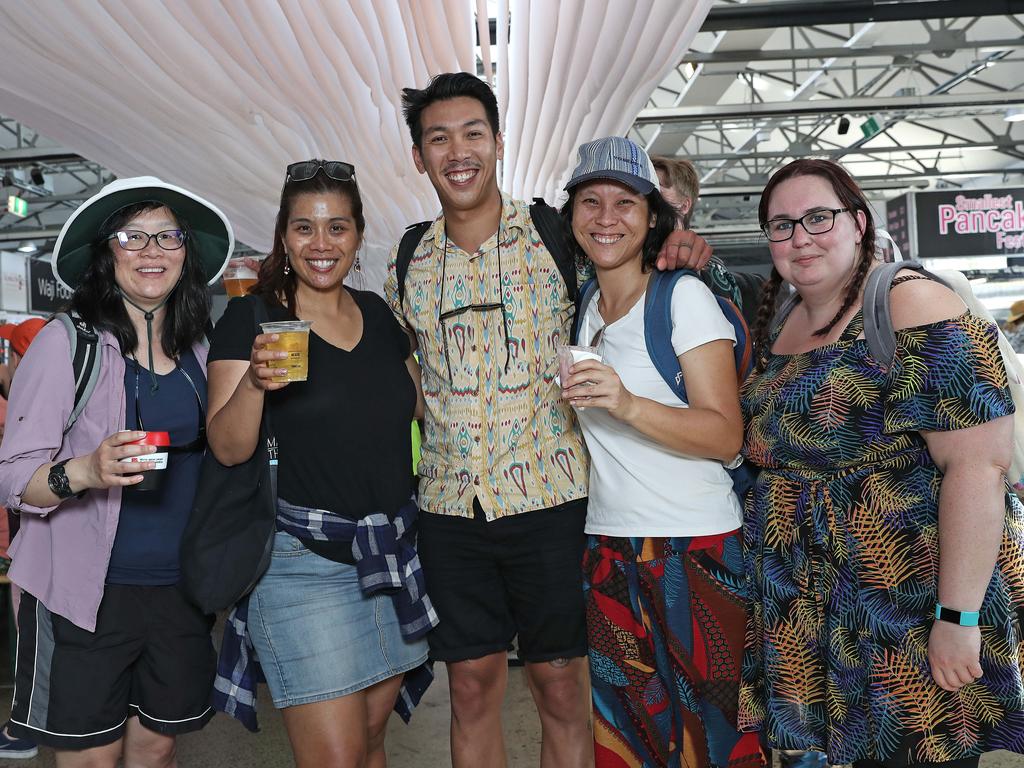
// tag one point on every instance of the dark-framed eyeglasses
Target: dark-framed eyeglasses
(137, 240)
(814, 223)
(307, 169)
(443, 317)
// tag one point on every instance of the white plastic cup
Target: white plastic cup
(569, 355)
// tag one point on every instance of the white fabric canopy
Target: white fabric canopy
(219, 96)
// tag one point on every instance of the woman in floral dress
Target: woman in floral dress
(880, 501)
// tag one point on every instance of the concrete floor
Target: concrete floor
(423, 743)
(224, 743)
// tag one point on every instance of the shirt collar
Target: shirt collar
(513, 224)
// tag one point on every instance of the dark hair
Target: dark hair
(683, 178)
(98, 301)
(272, 283)
(850, 196)
(664, 223)
(449, 85)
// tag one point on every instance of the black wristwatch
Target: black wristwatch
(58, 481)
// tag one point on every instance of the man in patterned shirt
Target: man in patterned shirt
(503, 474)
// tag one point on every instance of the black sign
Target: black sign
(897, 222)
(45, 294)
(970, 222)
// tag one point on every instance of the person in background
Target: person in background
(19, 336)
(334, 647)
(885, 552)
(1013, 327)
(679, 185)
(112, 661)
(504, 472)
(663, 568)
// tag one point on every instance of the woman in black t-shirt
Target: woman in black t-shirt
(334, 656)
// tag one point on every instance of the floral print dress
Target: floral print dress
(842, 546)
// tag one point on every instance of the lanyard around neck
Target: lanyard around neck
(193, 446)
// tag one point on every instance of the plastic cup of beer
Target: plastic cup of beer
(293, 338)
(238, 278)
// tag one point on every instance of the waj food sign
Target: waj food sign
(963, 222)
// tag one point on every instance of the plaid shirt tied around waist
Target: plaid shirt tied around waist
(386, 561)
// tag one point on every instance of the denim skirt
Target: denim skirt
(317, 635)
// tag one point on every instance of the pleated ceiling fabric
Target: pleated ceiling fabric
(220, 96)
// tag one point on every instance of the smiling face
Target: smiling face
(459, 154)
(148, 276)
(610, 222)
(321, 239)
(817, 262)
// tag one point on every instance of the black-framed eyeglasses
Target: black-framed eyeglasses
(442, 317)
(814, 223)
(137, 240)
(307, 169)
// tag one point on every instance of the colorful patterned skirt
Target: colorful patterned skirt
(665, 625)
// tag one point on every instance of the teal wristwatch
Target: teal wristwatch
(963, 618)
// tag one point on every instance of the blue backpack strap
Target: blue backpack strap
(583, 300)
(658, 337)
(658, 330)
(658, 327)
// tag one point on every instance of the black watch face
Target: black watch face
(58, 481)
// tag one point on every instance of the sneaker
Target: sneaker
(809, 759)
(16, 749)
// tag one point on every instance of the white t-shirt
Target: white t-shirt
(639, 487)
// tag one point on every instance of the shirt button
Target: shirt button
(476, 481)
(476, 439)
(473, 348)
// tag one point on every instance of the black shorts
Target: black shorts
(151, 656)
(518, 575)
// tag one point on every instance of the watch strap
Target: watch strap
(58, 481)
(963, 618)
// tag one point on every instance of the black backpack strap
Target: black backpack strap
(406, 248)
(552, 232)
(85, 361)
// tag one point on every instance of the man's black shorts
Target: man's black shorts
(518, 575)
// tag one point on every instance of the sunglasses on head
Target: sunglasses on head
(334, 169)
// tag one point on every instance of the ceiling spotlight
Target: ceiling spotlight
(27, 246)
(844, 125)
(36, 174)
(1014, 115)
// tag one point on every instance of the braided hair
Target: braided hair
(850, 196)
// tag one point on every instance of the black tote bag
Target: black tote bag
(227, 541)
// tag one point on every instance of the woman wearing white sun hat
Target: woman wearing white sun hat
(106, 633)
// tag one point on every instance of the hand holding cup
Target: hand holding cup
(105, 467)
(265, 365)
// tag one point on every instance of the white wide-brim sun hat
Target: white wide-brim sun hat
(208, 227)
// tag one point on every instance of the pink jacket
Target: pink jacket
(61, 553)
